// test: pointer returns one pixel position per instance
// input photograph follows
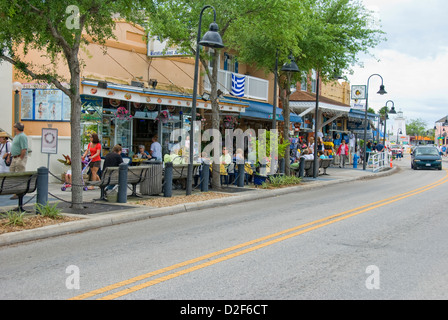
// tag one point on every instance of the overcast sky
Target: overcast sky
(413, 62)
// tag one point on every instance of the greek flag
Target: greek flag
(238, 85)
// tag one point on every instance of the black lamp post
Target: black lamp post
(392, 111)
(381, 91)
(211, 39)
(17, 87)
(398, 132)
(287, 67)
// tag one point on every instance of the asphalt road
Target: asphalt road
(376, 239)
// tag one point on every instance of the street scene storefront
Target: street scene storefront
(132, 116)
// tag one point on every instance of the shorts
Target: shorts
(95, 164)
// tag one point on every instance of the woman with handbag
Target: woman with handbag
(5, 152)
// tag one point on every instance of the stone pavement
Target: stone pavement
(99, 214)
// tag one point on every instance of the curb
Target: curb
(147, 213)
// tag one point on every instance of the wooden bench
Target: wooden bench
(110, 176)
(19, 183)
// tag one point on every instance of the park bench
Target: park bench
(309, 166)
(180, 174)
(324, 164)
(110, 176)
(19, 183)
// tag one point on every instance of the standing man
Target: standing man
(19, 150)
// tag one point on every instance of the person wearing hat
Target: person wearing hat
(19, 150)
(5, 150)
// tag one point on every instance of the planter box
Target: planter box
(258, 179)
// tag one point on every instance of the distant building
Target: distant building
(399, 129)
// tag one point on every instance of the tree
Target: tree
(324, 35)
(337, 31)
(416, 127)
(269, 33)
(177, 22)
(59, 29)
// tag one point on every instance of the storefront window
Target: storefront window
(123, 135)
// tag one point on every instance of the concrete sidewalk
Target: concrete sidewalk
(107, 214)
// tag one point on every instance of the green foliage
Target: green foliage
(47, 210)
(336, 32)
(416, 127)
(264, 142)
(281, 181)
(15, 218)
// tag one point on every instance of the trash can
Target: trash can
(152, 185)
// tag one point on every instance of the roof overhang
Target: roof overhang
(305, 107)
(152, 96)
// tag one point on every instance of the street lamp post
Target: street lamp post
(398, 132)
(287, 67)
(17, 87)
(392, 111)
(211, 39)
(274, 111)
(381, 92)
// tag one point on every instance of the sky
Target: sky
(413, 62)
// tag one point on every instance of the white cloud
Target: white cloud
(414, 60)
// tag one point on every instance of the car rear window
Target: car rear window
(426, 151)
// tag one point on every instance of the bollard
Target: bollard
(122, 183)
(42, 186)
(241, 175)
(168, 184)
(282, 165)
(301, 167)
(205, 177)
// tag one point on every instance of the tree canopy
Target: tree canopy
(58, 29)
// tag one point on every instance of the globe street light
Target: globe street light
(381, 92)
(211, 39)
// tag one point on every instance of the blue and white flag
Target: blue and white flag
(238, 85)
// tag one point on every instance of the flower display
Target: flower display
(163, 116)
(230, 121)
(123, 114)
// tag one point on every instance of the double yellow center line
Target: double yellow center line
(185, 267)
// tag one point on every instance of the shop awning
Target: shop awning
(305, 107)
(153, 96)
(260, 110)
(359, 114)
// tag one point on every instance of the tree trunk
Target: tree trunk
(75, 130)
